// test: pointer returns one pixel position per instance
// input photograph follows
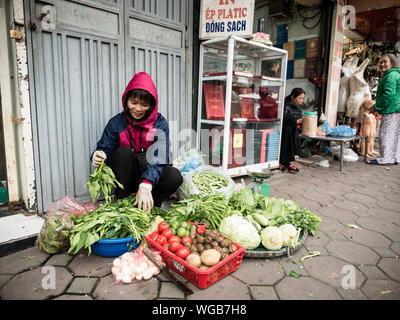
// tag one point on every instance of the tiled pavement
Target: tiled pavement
(365, 258)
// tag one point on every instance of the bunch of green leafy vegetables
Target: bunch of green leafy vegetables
(245, 201)
(278, 211)
(102, 180)
(301, 218)
(211, 209)
(110, 221)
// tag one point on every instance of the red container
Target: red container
(200, 278)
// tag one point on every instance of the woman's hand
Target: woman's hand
(98, 157)
(144, 198)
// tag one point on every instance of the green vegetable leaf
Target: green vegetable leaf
(294, 274)
(310, 255)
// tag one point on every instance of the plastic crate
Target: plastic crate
(200, 278)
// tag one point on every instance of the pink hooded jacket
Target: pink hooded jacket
(143, 133)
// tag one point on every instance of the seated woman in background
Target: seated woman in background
(290, 141)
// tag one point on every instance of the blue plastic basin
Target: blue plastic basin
(112, 248)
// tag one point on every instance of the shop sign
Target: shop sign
(220, 18)
(335, 64)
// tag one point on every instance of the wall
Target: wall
(296, 31)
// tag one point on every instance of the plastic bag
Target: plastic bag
(134, 266)
(323, 163)
(65, 205)
(54, 235)
(239, 185)
(348, 155)
(189, 161)
(342, 131)
(188, 187)
(325, 127)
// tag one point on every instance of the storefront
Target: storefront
(70, 62)
(68, 72)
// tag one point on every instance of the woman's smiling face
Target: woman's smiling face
(137, 108)
(385, 64)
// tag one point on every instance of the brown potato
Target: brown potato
(210, 257)
(214, 244)
(208, 239)
(219, 239)
(203, 268)
(224, 243)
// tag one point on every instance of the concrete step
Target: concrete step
(18, 230)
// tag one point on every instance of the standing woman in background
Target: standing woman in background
(388, 105)
(292, 117)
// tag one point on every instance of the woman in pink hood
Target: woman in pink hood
(135, 144)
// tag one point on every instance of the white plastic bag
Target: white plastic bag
(323, 163)
(348, 155)
(188, 187)
(189, 161)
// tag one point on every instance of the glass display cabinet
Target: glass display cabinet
(240, 105)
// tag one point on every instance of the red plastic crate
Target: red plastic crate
(200, 278)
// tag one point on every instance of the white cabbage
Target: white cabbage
(240, 231)
(272, 238)
(289, 234)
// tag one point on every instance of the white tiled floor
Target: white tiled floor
(19, 226)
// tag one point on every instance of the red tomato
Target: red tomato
(186, 238)
(162, 226)
(161, 240)
(153, 235)
(182, 252)
(168, 233)
(166, 246)
(174, 246)
(174, 238)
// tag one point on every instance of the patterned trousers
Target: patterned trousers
(389, 138)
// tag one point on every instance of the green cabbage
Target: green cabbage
(240, 231)
(272, 238)
(243, 200)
